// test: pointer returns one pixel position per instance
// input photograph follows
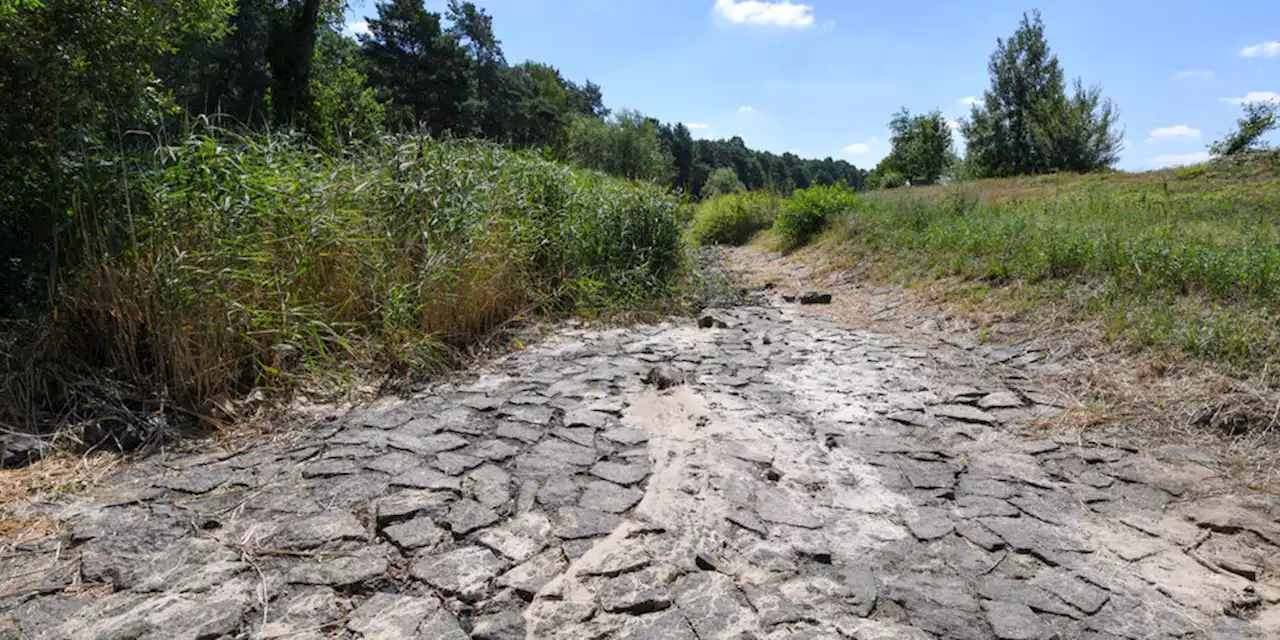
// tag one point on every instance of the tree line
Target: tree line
(1026, 123)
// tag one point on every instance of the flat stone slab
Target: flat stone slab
(465, 573)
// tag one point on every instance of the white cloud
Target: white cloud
(745, 109)
(1178, 132)
(969, 101)
(1179, 160)
(359, 27)
(1255, 96)
(1193, 74)
(954, 125)
(697, 125)
(873, 139)
(755, 12)
(1263, 50)
(857, 147)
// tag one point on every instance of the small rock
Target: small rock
(664, 377)
(815, 298)
(705, 561)
(1000, 400)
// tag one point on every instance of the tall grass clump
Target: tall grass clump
(733, 218)
(808, 211)
(252, 262)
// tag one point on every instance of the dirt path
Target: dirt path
(781, 475)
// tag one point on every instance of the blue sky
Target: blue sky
(822, 77)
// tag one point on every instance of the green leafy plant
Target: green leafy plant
(1260, 118)
(733, 218)
(808, 211)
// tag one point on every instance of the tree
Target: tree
(720, 182)
(1259, 119)
(922, 147)
(1026, 124)
(423, 71)
(626, 145)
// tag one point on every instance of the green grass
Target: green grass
(260, 262)
(1187, 257)
(732, 219)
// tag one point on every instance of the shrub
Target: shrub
(808, 210)
(721, 181)
(733, 218)
(255, 261)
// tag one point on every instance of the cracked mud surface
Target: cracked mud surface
(794, 479)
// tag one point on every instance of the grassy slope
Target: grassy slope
(1186, 258)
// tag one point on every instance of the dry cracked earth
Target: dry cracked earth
(773, 475)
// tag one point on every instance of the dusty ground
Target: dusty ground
(851, 472)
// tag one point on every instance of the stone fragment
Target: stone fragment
(489, 485)
(559, 491)
(975, 532)
(425, 446)
(963, 413)
(363, 566)
(405, 504)
(300, 613)
(629, 436)
(1020, 592)
(456, 463)
(572, 523)
(609, 497)
(519, 538)
(466, 516)
(532, 575)
(1013, 621)
(464, 573)
(713, 605)
(386, 616)
(418, 533)
(623, 474)
(312, 532)
(1072, 590)
(930, 523)
(664, 377)
(774, 505)
(636, 593)
(813, 297)
(1000, 400)
(625, 557)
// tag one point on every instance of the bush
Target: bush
(259, 260)
(733, 218)
(808, 211)
(721, 181)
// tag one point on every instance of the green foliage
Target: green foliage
(733, 218)
(922, 149)
(626, 145)
(1027, 124)
(74, 75)
(808, 211)
(1202, 246)
(346, 108)
(1259, 119)
(257, 260)
(722, 181)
